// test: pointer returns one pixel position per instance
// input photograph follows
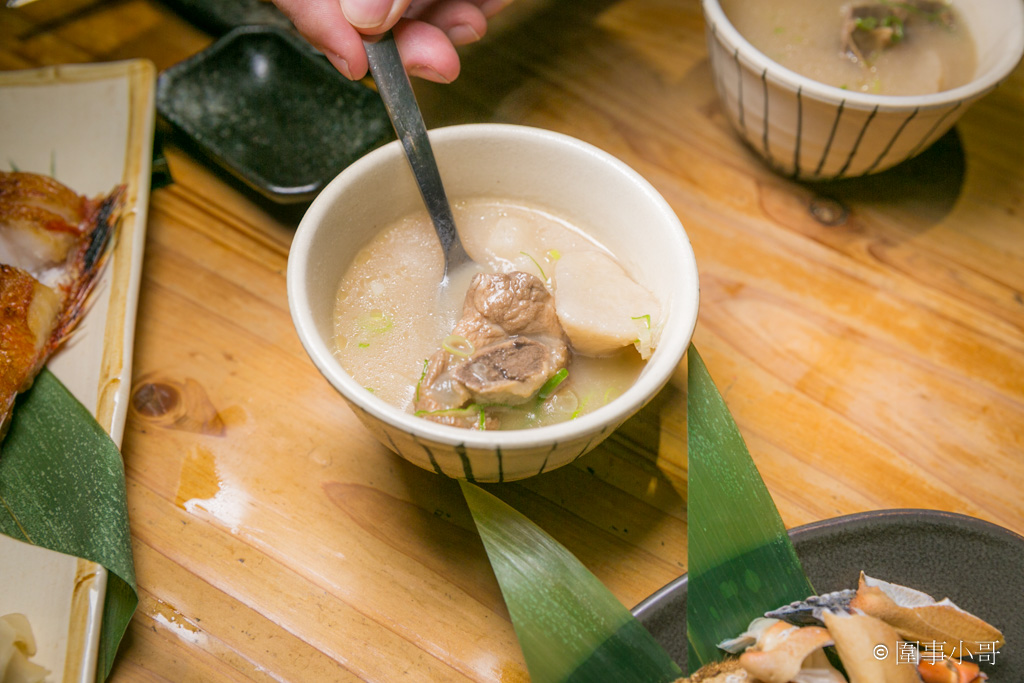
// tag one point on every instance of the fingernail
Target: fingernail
(428, 74)
(366, 13)
(340, 64)
(463, 34)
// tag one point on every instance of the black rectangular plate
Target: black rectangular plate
(217, 17)
(272, 113)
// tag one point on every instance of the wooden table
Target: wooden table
(868, 337)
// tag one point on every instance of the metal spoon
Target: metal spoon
(400, 101)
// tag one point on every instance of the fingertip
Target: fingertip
(429, 73)
(461, 20)
(366, 14)
(325, 27)
(373, 17)
(427, 52)
(342, 65)
(463, 34)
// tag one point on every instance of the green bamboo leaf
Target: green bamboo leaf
(570, 627)
(62, 487)
(741, 562)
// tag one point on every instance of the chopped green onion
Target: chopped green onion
(554, 254)
(458, 345)
(549, 386)
(890, 21)
(896, 24)
(559, 407)
(866, 23)
(419, 382)
(643, 340)
(375, 321)
(471, 409)
(579, 408)
(364, 345)
(542, 275)
(935, 15)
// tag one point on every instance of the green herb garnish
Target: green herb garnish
(458, 345)
(896, 24)
(472, 410)
(866, 23)
(579, 408)
(376, 321)
(419, 382)
(549, 386)
(542, 275)
(645, 318)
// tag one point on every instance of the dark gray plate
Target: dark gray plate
(978, 565)
(279, 118)
(220, 16)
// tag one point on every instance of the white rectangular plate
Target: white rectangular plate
(62, 596)
(91, 127)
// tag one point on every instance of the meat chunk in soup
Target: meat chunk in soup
(884, 47)
(491, 350)
(507, 344)
(509, 372)
(499, 305)
(869, 29)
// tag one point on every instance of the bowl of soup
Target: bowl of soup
(575, 311)
(830, 89)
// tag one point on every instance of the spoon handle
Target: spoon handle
(400, 101)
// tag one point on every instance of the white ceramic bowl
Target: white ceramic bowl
(813, 131)
(573, 178)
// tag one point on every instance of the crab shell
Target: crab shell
(919, 618)
(950, 671)
(781, 651)
(860, 640)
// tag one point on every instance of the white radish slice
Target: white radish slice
(601, 308)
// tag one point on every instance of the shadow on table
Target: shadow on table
(612, 501)
(928, 185)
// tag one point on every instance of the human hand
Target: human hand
(426, 31)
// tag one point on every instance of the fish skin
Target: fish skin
(41, 301)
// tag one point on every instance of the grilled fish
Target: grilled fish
(53, 244)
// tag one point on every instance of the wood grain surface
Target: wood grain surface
(868, 336)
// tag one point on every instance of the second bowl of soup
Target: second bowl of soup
(830, 89)
(577, 308)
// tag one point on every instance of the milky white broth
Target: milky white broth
(389, 317)
(805, 36)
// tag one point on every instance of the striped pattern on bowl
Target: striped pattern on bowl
(620, 209)
(812, 131)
